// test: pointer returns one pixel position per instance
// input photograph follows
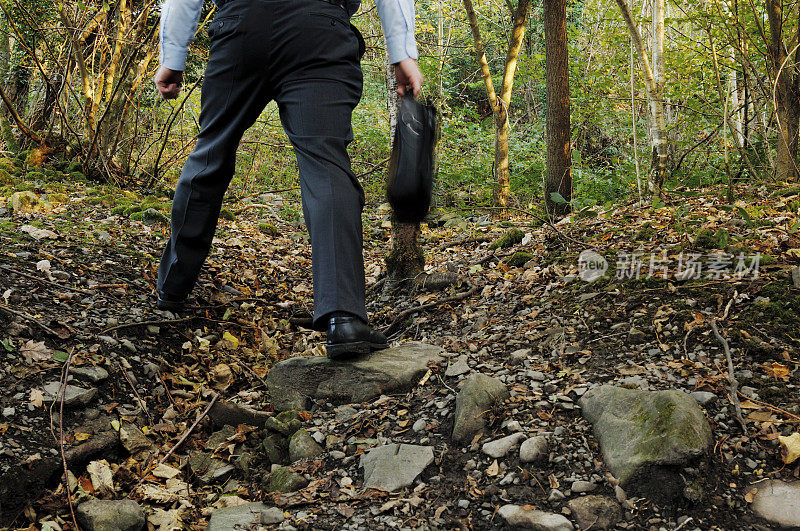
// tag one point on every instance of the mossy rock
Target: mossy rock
(150, 216)
(285, 479)
(227, 214)
(509, 239)
(34, 176)
(645, 233)
(77, 177)
(709, 239)
(269, 229)
(131, 210)
(276, 449)
(519, 259)
(6, 177)
(119, 210)
(58, 198)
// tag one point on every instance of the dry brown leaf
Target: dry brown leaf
(778, 371)
(790, 448)
(37, 397)
(493, 469)
(35, 351)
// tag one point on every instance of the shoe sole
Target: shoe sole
(349, 350)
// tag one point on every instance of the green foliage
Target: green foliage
(6, 177)
(227, 215)
(35, 176)
(519, 259)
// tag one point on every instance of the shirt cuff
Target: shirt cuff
(174, 59)
(401, 46)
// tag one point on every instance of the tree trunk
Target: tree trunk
(559, 151)
(786, 96)
(405, 260)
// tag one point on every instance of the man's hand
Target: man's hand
(408, 76)
(168, 82)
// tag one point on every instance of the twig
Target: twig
(397, 320)
(180, 441)
(62, 390)
(685, 522)
(770, 406)
(29, 318)
(43, 281)
(737, 408)
(136, 393)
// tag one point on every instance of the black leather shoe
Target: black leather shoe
(349, 336)
(170, 304)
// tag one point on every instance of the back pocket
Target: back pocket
(223, 26)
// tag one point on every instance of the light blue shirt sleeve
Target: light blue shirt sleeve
(178, 24)
(397, 19)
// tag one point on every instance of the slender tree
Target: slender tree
(500, 102)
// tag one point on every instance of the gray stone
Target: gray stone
(133, 439)
(555, 495)
(24, 202)
(9, 412)
(778, 502)
(293, 381)
(74, 396)
(230, 414)
(245, 516)
(582, 486)
(533, 449)
(303, 446)
(458, 368)
(478, 395)
(345, 413)
(271, 516)
(209, 469)
(500, 447)
(703, 397)
(284, 479)
(394, 466)
(92, 373)
(796, 277)
(520, 518)
(111, 515)
(419, 425)
(645, 436)
(595, 512)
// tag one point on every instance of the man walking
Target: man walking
(305, 55)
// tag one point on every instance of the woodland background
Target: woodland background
(690, 94)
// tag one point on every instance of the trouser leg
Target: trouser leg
(233, 95)
(316, 115)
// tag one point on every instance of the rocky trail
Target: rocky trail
(528, 399)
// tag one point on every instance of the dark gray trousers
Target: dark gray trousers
(305, 55)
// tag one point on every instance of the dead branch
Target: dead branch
(402, 315)
(734, 383)
(29, 319)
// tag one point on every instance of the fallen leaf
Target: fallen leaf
(221, 376)
(493, 469)
(790, 448)
(35, 351)
(101, 476)
(80, 437)
(750, 496)
(165, 471)
(778, 371)
(227, 336)
(37, 398)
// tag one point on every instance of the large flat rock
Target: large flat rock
(647, 436)
(394, 466)
(293, 381)
(477, 396)
(778, 502)
(246, 516)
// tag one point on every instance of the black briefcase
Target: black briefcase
(410, 182)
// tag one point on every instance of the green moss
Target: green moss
(519, 259)
(509, 239)
(227, 214)
(708, 239)
(6, 177)
(131, 210)
(269, 229)
(119, 210)
(150, 216)
(646, 232)
(35, 176)
(285, 479)
(74, 167)
(8, 165)
(767, 259)
(77, 177)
